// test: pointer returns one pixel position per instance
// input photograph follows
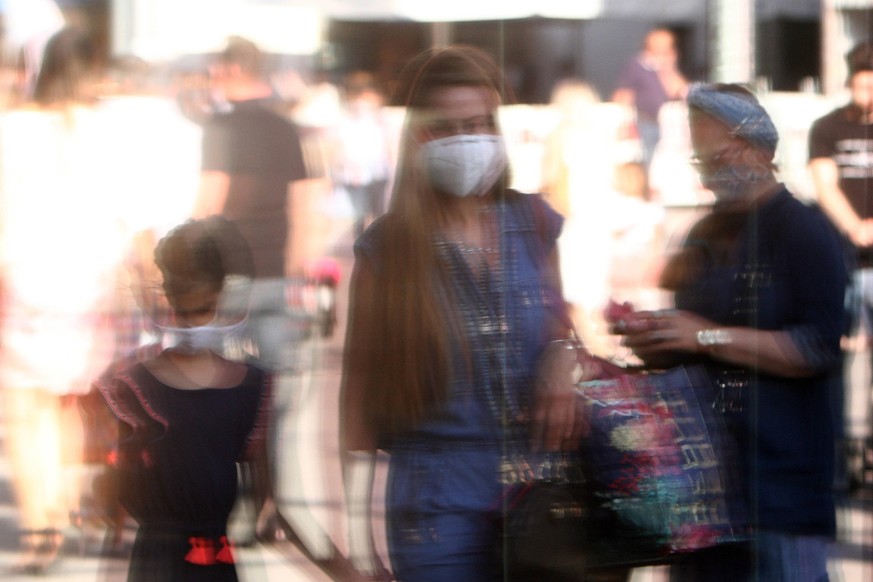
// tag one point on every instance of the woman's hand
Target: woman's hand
(557, 418)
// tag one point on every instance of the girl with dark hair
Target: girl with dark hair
(458, 361)
(188, 416)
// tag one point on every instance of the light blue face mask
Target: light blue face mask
(727, 183)
(730, 183)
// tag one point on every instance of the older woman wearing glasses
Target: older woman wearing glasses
(758, 286)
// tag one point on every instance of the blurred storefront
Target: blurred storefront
(539, 42)
(791, 50)
(782, 45)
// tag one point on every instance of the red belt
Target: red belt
(204, 553)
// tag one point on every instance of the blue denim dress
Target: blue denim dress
(444, 487)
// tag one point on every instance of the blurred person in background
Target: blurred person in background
(577, 177)
(758, 288)
(193, 95)
(254, 173)
(157, 152)
(672, 180)
(571, 144)
(361, 150)
(59, 248)
(649, 80)
(457, 361)
(841, 165)
(637, 233)
(186, 417)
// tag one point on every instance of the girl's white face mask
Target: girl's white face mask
(464, 165)
(211, 336)
(228, 326)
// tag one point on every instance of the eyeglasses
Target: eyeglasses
(707, 161)
(470, 126)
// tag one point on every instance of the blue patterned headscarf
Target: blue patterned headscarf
(739, 111)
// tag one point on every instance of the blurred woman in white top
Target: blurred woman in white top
(58, 250)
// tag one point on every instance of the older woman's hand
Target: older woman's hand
(653, 334)
(558, 422)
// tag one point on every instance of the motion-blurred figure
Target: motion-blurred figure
(758, 288)
(252, 172)
(580, 167)
(575, 161)
(186, 417)
(59, 247)
(672, 181)
(841, 164)
(577, 168)
(647, 82)
(637, 231)
(457, 360)
(361, 150)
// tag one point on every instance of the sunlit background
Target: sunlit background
(154, 56)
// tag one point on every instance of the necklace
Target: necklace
(466, 249)
(478, 247)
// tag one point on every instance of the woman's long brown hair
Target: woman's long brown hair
(408, 362)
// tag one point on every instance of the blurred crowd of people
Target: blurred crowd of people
(163, 234)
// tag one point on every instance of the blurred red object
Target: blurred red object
(615, 312)
(323, 271)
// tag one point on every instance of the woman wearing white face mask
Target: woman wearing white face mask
(457, 360)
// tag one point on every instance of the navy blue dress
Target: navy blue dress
(444, 489)
(177, 468)
(788, 274)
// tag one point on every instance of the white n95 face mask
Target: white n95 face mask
(464, 165)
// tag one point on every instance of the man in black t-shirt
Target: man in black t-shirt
(253, 173)
(841, 164)
(841, 157)
(648, 81)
